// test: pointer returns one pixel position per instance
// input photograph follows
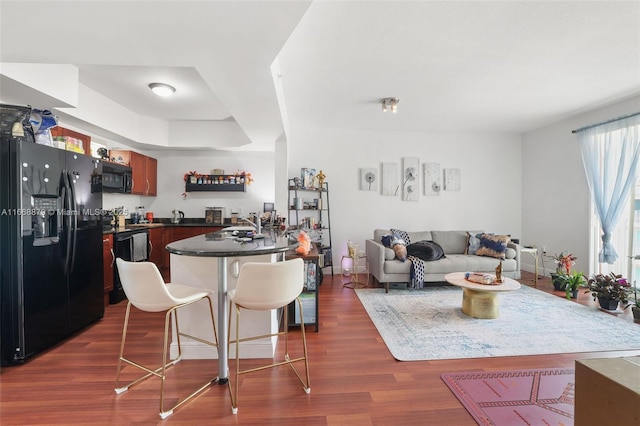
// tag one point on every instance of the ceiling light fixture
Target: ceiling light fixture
(390, 103)
(162, 89)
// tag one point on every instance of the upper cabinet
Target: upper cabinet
(144, 170)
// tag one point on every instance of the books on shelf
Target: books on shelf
(308, 308)
(310, 275)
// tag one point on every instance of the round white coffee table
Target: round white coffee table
(480, 300)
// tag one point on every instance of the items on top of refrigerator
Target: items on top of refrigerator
(68, 143)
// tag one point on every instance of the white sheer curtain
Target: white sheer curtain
(610, 153)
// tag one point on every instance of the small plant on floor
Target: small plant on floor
(572, 282)
(635, 306)
(609, 286)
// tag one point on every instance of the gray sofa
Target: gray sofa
(386, 268)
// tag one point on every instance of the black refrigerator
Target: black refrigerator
(51, 279)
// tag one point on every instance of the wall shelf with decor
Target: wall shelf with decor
(308, 209)
(229, 183)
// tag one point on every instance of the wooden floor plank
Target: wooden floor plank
(354, 378)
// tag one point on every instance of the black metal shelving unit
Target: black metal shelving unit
(309, 211)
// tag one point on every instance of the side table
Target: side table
(355, 261)
(533, 252)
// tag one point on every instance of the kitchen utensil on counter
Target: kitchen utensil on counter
(149, 217)
(176, 216)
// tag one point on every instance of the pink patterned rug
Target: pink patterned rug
(527, 397)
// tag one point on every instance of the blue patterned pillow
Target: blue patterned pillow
(493, 245)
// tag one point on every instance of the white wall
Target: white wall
(172, 165)
(489, 199)
(556, 201)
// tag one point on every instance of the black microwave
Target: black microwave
(116, 178)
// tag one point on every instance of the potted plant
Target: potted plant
(609, 290)
(572, 282)
(635, 306)
(564, 261)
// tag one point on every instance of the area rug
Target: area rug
(428, 324)
(519, 397)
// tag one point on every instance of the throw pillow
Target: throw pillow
(386, 240)
(493, 245)
(473, 243)
(426, 250)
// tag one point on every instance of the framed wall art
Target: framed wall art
(410, 179)
(452, 179)
(368, 179)
(432, 179)
(390, 185)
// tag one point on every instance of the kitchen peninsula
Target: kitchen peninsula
(192, 263)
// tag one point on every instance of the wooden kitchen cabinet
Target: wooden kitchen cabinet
(156, 247)
(144, 171)
(175, 233)
(108, 257)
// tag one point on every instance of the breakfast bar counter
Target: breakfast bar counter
(192, 263)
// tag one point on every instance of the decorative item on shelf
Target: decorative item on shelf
(305, 243)
(572, 282)
(192, 177)
(609, 289)
(308, 177)
(320, 177)
(244, 176)
(103, 153)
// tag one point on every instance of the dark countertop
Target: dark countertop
(187, 224)
(220, 244)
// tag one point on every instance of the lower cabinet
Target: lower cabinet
(156, 247)
(159, 237)
(175, 233)
(108, 258)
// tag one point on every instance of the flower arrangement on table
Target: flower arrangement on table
(564, 261)
(609, 286)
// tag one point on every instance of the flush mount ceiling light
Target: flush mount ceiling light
(162, 89)
(390, 103)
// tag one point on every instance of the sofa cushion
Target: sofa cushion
(420, 236)
(451, 241)
(493, 245)
(414, 236)
(425, 250)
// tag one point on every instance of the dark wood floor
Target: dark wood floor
(354, 379)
